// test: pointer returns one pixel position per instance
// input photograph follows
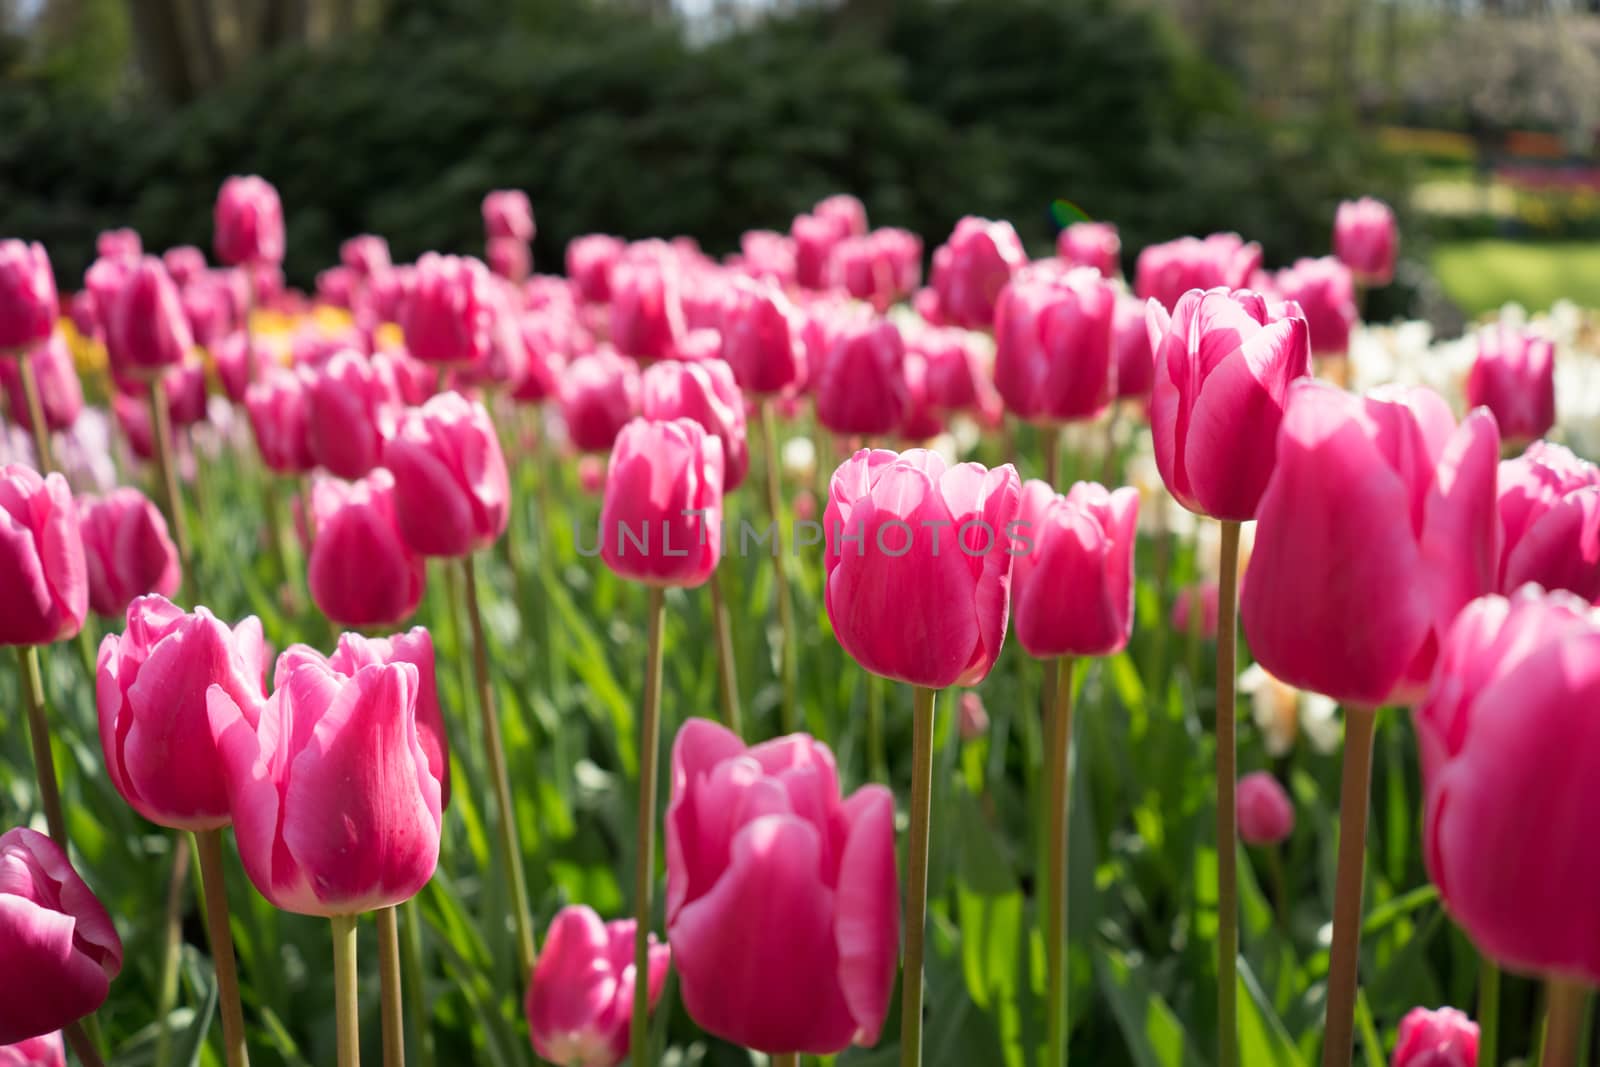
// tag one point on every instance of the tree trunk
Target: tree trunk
(158, 40)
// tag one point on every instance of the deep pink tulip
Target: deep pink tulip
(1165, 272)
(1550, 521)
(508, 213)
(58, 949)
(60, 392)
(331, 742)
(591, 474)
(957, 377)
(208, 306)
(765, 254)
(390, 291)
(1266, 814)
(415, 647)
(366, 255)
(231, 355)
(580, 999)
(845, 211)
(185, 263)
(1515, 378)
(121, 244)
(646, 302)
(1054, 360)
(1091, 244)
(761, 339)
(783, 905)
(44, 581)
(127, 550)
(1072, 589)
(28, 302)
(85, 314)
(336, 287)
(705, 392)
(103, 281)
(973, 720)
(1378, 526)
(147, 330)
(550, 292)
(589, 262)
(509, 258)
(448, 315)
(451, 491)
(599, 394)
(1326, 293)
(815, 237)
(1136, 362)
(922, 420)
(909, 539)
(351, 406)
(1442, 1038)
(279, 408)
(361, 571)
(661, 523)
(971, 268)
(879, 267)
(861, 380)
(548, 339)
(249, 222)
(505, 362)
(1508, 749)
(1207, 594)
(151, 689)
(1367, 240)
(186, 393)
(1223, 365)
(44, 1051)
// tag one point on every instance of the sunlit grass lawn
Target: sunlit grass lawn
(1482, 275)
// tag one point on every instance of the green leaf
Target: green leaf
(1263, 1041)
(1152, 1031)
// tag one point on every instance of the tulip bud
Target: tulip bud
(599, 394)
(58, 948)
(971, 268)
(448, 316)
(507, 214)
(848, 213)
(760, 339)
(279, 409)
(44, 1051)
(60, 392)
(589, 262)
(1514, 377)
(548, 337)
(646, 302)
(1326, 293)
(361, 572)
(1366, 239)
(366, 255)
(123, 244)
(351, 407)
(580, 999)
(861, 380)
(1266, 814)
(127, 550)
(815, 238)
(661, 523)
(1550, 521)
(974, 717)
(765, 255)
(28, 302)
(147, 330)
(43, 577)
(1206, 594)
(706, 393)
(1442, 1038)
(1167, 271)
(591, 474)
(185, 263)
(1136, 363)
(509, 258)
(1091, 244)
(1054, 360)
(1072, 589)
(208, 306)
(249, 222)
(783, 906)
(451, 491)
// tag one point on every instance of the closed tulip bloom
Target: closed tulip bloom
(861, 383)
(451, 492)
(415, 647)
(43, 1051)
(60, 391)
(351, 407)
(28, 302)
(1326, 293)
(761, 339)
(580, 998)
(1367, 240)
(1266, 814)
(249, 222)
(58, 948)
(127, 550)
(506, 360)
(589, 262)
(185, 263)
(508, 213)
(151, 683)
(44, 581)
(1223, 365)
(879, 267)
(366, 255)
(1136, 362)
(1378, 526)
(973, 717)
(186, 393)
(661, 522)
(1165, 272)
(1550, 521)
(845, 211)
(361, 571)
(548, 338)
(123, 244)
(231, 357)
(1054, 360)
(1091, 244)
(646, 302)
(957, 377)
(815, 237)
(919, 560)
(922, 420)
(279, 408)
(705, 392)
(1509, 752)
(336, 287)
(147, 329)
(971, 268)
(783, 905)
(1515, 378)
(448, 314)
(765, 254)
(599, 394)
(1072, 589)
(208, 306)
(509, 258)
(1442, 1038)
(335, 807)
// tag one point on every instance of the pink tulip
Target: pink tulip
(127, 550)
(815, 237)
(44, 581)
(28, 302)
(765, 255)
(706, 393)
(351, 407)
(599, 394)
(415, 647)
(761, 339)
(1326, 293)
(1378, 526)
(448, 317)
(451, 492)
(249, 222)
(43, 1051)
(878, 267)
(1266, 814)
(123, 244)
(151, 684)
(922, 421)
(1207, 594)
(1223, 366)
(330, 742)
(861, 381)
(185, 263)
(1073, 584)
(1054, 360)
(232, 357)
(971, 268)
(646, 301)
(279, 408)
(845, 211)
(1514, 377)
(1366, 239)
(505, 362)
(366, 255)
(580, 999)
(1136, 363)
(957, 378)
(85, 314)
(60, 392)
(208, 306)
(589, 262)
(186, 393)
(509, 258)
(548, 338)
(973, 720)
(361, 571)
(58, 948)
(147, 330)
(336, 287)
(1508, 748)
(1442, 1038)
(507, 213)
(591, 474)
(1550, 521)
(783, 906)
(661, 523)
(1165, 272)
(908, 538)
(1091, 244)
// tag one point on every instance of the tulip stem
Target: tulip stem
(346, 991)
(1227, 778)
(784, 1059)
(780, 576)
(510, 841)
(209, 846)
(1563, 1022)
(82, 1045)
(30, 394)
(1488, 1010)
(877, 759)
(645, 861)
(727, 666)
(416, 991)
(394, 1025)
(924, 703)
(44, 764)
(273, 510)
(1060, 792)
(167, 468)
(171, 946)
(1050, 442)
(1338, 1039)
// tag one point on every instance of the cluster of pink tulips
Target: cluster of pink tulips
(1403, 557)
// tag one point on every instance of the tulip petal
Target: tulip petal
(45, 981)
(867, 911)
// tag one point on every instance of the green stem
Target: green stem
(416, 991)
(30, 394)
(44, 764)
(82, 1045)
(780, 575)
(1488, 1010)
(877, 758)
(171, 946)
(784, 1059)
(167, 468)
(346, 991)
(391, 987)
(645, 861)
(924, 703)
(1056, 929)
(1050, 443)
(510, 841)
(1343, 960)
(1227, 826)
(272, 515)
(727, 666)
(209, 846)
(1564, 1009)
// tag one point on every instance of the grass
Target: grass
(1482, 275)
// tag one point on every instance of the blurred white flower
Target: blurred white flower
(799, 457)
(1281, 712)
